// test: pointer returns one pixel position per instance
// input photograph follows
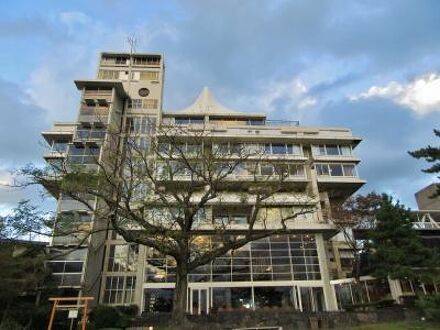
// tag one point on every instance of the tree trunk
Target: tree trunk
(178, 318)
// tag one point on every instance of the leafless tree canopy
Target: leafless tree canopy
(155, 191)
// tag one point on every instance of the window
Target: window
(135, 103)
(66, 273)
(230, 218)
(296, 170)
(146, 60)
(120, 60)
(278, 149)
(150, 103)
(189, 120)
(266, 169)
(349, 170)
(114, 288)
(255, 122)
(149, 75)
(108, 74)
(322, 169)
(122, 258)
(282, 149)
(182, 148)
(336, 169)
(141, 125)
(79, 154)
(143, 103)
(331, 150)
(59, 146)
(345, 150)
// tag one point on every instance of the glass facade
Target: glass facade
(119, 289)
(278, 258)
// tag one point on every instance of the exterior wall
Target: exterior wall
(424, 200)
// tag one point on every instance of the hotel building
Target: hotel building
(289, 271)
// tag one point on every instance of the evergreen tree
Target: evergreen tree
(431, 155)
(395, 248)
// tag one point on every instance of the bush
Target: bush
(430, 306)
(103, 316)
(130, 310)
(369, 306)
(10, 324)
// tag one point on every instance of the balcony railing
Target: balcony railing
(282, 123)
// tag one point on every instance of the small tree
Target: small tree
(395, 249)
(152, 191)
(431, 155)
(22, 268)
(356, 212)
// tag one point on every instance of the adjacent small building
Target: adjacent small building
(425, 198)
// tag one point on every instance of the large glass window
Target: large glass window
(232, 298)
(158, 300)
(334, 169)
(80, 154)
(122, 258)
(281, 258)
(273, 296)
(65, 272)
(141, 125)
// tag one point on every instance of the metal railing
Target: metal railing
(283, 123)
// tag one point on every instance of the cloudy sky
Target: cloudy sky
(373, 66)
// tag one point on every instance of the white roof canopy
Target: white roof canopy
(206, 103)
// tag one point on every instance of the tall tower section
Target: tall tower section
(125, 97)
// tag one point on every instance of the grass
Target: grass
(416, 325)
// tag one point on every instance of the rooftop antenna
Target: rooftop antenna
(132, 42)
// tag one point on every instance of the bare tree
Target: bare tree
(355, 212)
(152, 190)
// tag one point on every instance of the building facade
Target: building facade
(289, 271)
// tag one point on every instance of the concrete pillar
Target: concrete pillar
(329, 291)
(139, 291)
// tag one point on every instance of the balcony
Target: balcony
(86, 135)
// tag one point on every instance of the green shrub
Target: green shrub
(430, 306)
(103, 316)
(130, 310)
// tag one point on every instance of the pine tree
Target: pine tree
(396, 250)
(431, 155)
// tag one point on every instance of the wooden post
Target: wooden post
(79, 302)
(84, 318)
(52, 314)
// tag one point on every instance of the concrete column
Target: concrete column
(329, 291)
(139, 291)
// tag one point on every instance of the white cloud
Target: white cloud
(73, 17)
(421, 95)
(280, 96)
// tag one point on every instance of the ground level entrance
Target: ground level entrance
(205, 299)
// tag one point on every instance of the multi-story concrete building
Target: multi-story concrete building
(292, 270)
